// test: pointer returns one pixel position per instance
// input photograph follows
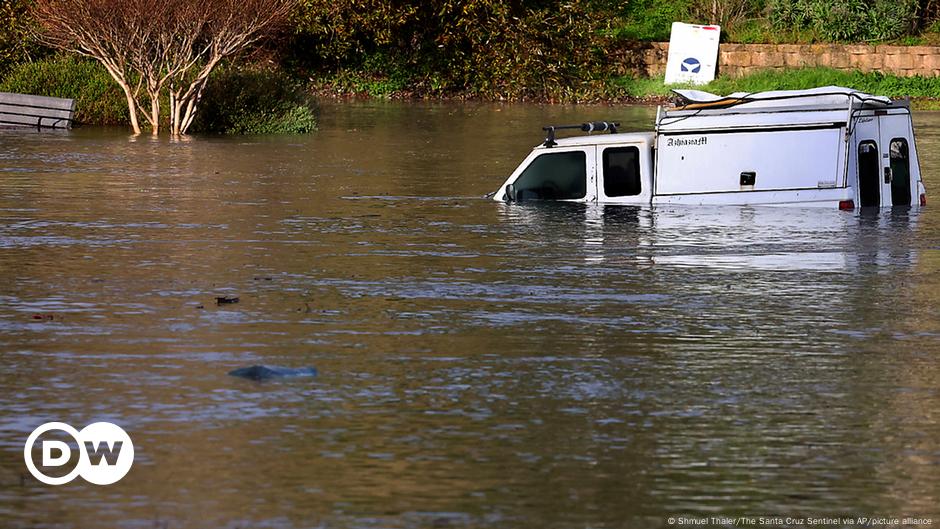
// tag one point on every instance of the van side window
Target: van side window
(554, 176)
(900, 173)
(622, 172)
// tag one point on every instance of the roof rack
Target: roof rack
(591, 126)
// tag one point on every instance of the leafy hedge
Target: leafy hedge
(487, 48)
(98, 99)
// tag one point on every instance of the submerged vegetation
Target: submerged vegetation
(252, 101)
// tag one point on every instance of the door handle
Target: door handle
(887, 175)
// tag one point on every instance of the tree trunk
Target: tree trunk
(155, 112)
(174, 113)
(131, 101)
(131, 107)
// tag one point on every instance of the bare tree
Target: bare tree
(159, 48)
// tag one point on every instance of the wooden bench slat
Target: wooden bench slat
(38, 112)
(23, 110)
(37, 101)
(29, 121)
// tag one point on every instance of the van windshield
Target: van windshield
(554, 176)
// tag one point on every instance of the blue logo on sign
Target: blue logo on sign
(690, 65)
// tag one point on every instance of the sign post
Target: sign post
(693, 53)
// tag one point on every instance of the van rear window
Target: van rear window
(554, 176)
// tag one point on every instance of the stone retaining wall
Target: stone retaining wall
(736, 59)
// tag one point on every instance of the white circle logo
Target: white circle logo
(106, 453)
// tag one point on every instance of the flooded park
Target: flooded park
(480, 364)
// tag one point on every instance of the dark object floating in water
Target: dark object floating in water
(224, 300)
(268, 372)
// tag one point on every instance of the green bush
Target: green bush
(846, 20)
(250, 101)
(98, 99)
(651, 20)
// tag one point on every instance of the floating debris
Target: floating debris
(226, 300)
(259, 372)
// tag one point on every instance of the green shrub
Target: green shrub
(251, 101)
(651, 20)
(98, 99)
(846, 20)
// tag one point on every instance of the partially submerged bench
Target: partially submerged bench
(20, 110)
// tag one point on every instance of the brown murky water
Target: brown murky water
(480, 364)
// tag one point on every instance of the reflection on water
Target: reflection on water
(481, 364)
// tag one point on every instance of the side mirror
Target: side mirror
(510, 195)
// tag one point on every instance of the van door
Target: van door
(866, 155)
(623, 174)
(557, 173)
(869, 174)
(896, 182)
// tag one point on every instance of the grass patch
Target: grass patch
(802, 79)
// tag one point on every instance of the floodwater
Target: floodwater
(481, 364)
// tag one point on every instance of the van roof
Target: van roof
(826, 96)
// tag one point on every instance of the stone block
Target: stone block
(859, 49)
(923, 50)
(859, 61)
(897, 62)
(932, 62)
(840, 60)
(775, 59)
(793, 60)
(737, 58)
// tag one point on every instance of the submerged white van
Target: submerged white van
(827, 147)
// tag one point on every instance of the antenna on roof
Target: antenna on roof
(591, 126)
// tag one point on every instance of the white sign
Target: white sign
(693, 53)
(106, 453)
